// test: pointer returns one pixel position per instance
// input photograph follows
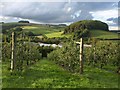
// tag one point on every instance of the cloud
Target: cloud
(115, 20)
(56, 12)
(105, 16)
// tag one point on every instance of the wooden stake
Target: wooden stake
(13, 52)
(81, 55)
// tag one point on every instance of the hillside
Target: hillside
(55, 31)
(46, 74)
(50, 32)
(103, 34)
(90, 28)
(86, 24)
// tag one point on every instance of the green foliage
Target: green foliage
(86, 24)
(47, 40)
(18, 29)
(26, 52)
(44, 50)
(7, 26)
(102, 54)
(67, 56)
(6, 51)
(30, 33)
(81, 33)
(23, 21)
(83, 28)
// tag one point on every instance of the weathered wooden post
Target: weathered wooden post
(81, 55)
(13, 52)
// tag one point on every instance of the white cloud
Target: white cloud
(62, 12)
(2, 18)
(104, 15)
(69, 9)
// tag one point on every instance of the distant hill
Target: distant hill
(90, 28)
(8, 26)
(56, 31)
(86, 24)
(103, 34)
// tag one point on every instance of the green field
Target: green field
(51, 32)
(103, 34)
(46, 74)
(39, 29)
(58, 34)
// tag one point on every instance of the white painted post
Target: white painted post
(81, 55)
(13, 52)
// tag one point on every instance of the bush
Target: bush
(102, 53)
(44, 50)
(67, 57)
(27, 53)
(81, 33)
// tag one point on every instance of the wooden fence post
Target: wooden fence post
(81, 55)
(13, 52)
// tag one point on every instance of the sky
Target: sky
(60, 12)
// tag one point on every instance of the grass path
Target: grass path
(45, 74)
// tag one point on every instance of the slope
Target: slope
(46, 74)
(103, 34)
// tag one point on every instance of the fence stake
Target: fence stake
(81, 55)
(13, 52)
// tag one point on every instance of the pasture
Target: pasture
(46, 74)
(55, 31)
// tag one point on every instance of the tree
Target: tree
(86, 24)
(23, 21)
(30, 33)
(67, 57)
(18, 29)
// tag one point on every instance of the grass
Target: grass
(103, 34)
(1, 36)
(39, 29)
(46, 74)
(57, 34)
(51, 32)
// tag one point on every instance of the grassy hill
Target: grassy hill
(50, 32)
(103, 34)
(38, 29)
(46, 74)
(55, 31)
(58, 32)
